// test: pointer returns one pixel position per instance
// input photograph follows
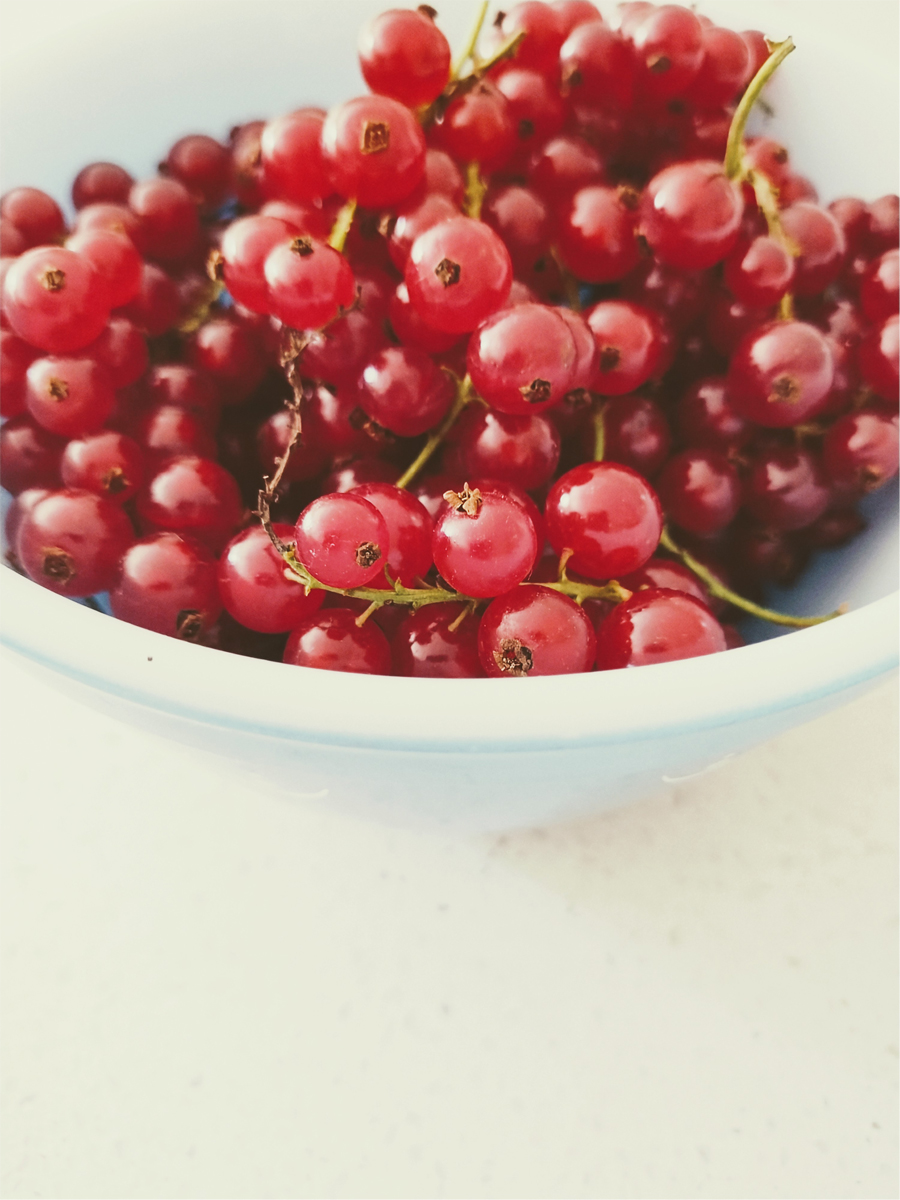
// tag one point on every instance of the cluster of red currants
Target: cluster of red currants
(545, 319)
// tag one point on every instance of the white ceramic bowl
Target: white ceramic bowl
(122, 82)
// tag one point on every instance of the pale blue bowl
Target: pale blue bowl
(475, 754)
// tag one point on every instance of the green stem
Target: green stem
(420, 597)
(510, 46)
(340, 230)
(734, 147)
(476, 190)
(599, 433)
(721, 592)
(465, 394)
(469, 51)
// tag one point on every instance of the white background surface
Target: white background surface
(208, 992)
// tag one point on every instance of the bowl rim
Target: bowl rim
(139, 667)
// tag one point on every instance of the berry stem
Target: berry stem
(509, 47)
(340, 230)
(734, 149)
(721, 592)
(599, 433)
(476, 190)
(569, 282)
(469, 50)
(465, 394)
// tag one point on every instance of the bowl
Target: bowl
(122, 84)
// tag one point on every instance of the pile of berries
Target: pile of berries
(543, 366)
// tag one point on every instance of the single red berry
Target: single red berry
(457, 274)
(402, 390)
(523, 450)
(255, 583)
(882, 226)
(700, 491)
(544, 31)
(167, 430)
(231, 352)
(664, 573)
(563, 165)
(177, 383)
(690, 215)
(29, 455)
(535, 631)
(291, 161)
(193, 496)
(760, 272)
(479, 126)
(374, 150)
(71, 542)
(16, 356)
(781, 373)
(860, 450)
(413, 219)
(822, 245)
(657, 626)
(725, 71)
(429, 644)
(113, 218)
(69, 396)
(36, 215)
(101, 183)
(114, 256)
(484, 542)
(535, 105)
(629, 340)
(203, 165)
(411, 330)
(55, 299)
(598, 66)
(636, 433)
(403, 54)
(108, 463)
(332, 641)
(168, 216)
(522, 359)
(878, 290)
(668, 47)
(342, 540)
(786, 488)
(167, 583)
(308, 282)
(607, 515)
(704, 416)
(597, 233)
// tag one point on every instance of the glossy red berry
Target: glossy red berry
(822, 245)
(522, 359)
(704, 416)
(167, 583)
(193, 496)
(231, 353)
(535, 631)
(292, 165)
(664, 573)
(426, 646)
(168, 218)
(523, 450)
(254, 583)
(879, 359)
(479, 126)
(402, 390)
(70, 396)
(607, 515)
(55, 299)
(484, 542)
(308, 282)
(114, 256)
(535, 106)
(203, 166)
(725, 71)
(36, 215)
(690, 215)
(878, 292)
(781, 373)
(342, 540)
(29, 455)
(860, 450)
(786, 488)
(156, 308)
(699, 491)
(563, 165)
(636, 433)
(629, 340)
(597, 233)
(16, 356)
(668, 47)
(598, 66)
(71, 542)
(122, 349)
(374, 150)
(332, 641)
(457, 274)
(760, 272)
(108, 463)
(404, 55)
(657, 626)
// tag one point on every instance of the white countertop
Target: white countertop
(209, 992)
